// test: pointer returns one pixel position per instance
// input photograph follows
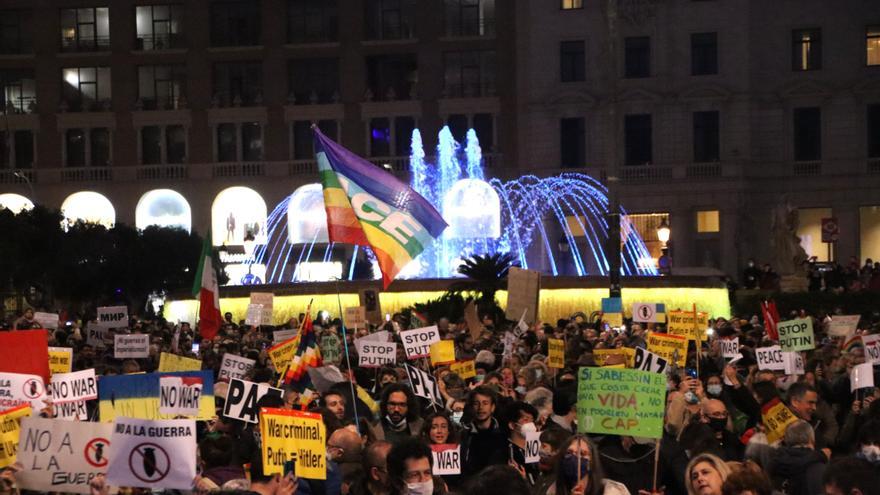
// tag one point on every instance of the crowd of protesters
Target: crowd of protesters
(821, 277)
(714, 441)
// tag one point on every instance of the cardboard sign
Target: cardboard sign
(684, 323)
(417, 343)
(624, 355)
(234, 367)
(796, 335)
(375, 354)
(770, 358)
(861, 376)
(843, 325)
(621, 402)
(472, 318)
(138, 396)
(282, 354)
(613, 319)
(113, 317)
(293, 436)
(26, 352)
(380, 336)
(355, 317)
(18, 389)
(447, 458)
(60, 360)
(872, 348)
(46, 320)
(729, 347)
(672, 348)
(556, 353)
(369, 299)
(71, 411)
(279, 336)
(179, 395)
(267, 300)
(793, 363)
(131, 346)
(649, 313)
(523, 294)
(648, 361)
(153, 454)
(442, 352)
(533, 447)
(423, 384)
(10, 427)
(464, 369)
(331, 348)
(96, 336)
(254, 315)
(242, 397)
(169, 363)
(61, 456)
(776, 418)
(74, 387)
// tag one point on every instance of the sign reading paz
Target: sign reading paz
(796, 335)
(417, 343)
(242, 398)
(648, 361)
(621, 402)
(153, 454)
(113, 316)
(293, 436)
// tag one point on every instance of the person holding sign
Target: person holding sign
(579, 471)
(521, 418)
(442, 436)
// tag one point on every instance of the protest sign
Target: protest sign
(447, 458)
(331, 350)
(172, 362)
(861, 376)
(73, 387)
(153, 454)
(46, 320)
(622, 355)
(137, 396)
(649, 313)
(234, 367)
(532, 447)
(254, 315)
(472, 319)
(648, 361)
(686, 324)
(464, 369)
(556, 353)
(776, 418)
(523, 291)
(621, 402)
(293, 436)
(380, 336)
(25, 351)
(843, 325)
(242, 397)
(96, 336)
(872, 348)
(375, 354)
(17, 389)
(729, 347)
(770, 358)
(369, 299)
(521, 326)
(282, 354)
(423, 384)
(796, 335)
(417, 343)
(279, 336)
(442, 352)
(61, 456)
(267, 300)
(612, 305)
(10, 427)
(113, 317)
(793, 363)
(179, 395)
(60, 359)
(672, 348)
(614, 320)
(355, 317)
(131, 346)
(71, 411)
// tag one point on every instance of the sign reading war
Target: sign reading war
(621, 402)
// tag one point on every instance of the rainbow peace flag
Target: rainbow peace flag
(370, 207)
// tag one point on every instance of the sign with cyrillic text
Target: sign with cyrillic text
(113, 317)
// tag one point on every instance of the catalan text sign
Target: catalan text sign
(169, 363)
(234, 367)
(447, 458)
(293, 436)
(242, 397)
(153, 454)
(60, 359)
(556, 353)
(648, 361)
(417, 343)
(132, 346)
(73, 387)
(770, 358)
(375, 354)
(796, 335)
(621, 402)
(113, 317)
(180, 395)
(10, 427)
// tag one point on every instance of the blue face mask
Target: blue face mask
(570, 469)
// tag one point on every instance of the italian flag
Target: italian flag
(206, 289)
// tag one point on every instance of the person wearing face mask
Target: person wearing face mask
(520, 421)
(410, 469)
(552, 442)
(579, 472)
(869, 443)
(398, 415)
(714, 414)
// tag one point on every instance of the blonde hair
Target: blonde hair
(713, 460)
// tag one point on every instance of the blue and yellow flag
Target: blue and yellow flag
(137, 396)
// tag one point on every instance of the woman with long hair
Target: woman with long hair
(579, 471)
(439, 430)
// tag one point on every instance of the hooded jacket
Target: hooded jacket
(797, 470)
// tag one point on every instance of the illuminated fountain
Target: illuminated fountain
(528, 217)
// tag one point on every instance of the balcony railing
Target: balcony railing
(17, 176)
(148, 42)
(22, 105)
(87, 174)
(475, 90)
(807, 168)
(645, 173)
(699, 170)
(82, 44)
(238, 169)
(162, 172)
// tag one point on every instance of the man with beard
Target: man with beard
(399, 415)
(482, 436)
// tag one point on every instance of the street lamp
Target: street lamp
(663, 231)
(19, 174)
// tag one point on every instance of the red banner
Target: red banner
(25, 351)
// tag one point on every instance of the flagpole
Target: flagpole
(347, 357)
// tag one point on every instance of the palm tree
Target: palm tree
(486, 275)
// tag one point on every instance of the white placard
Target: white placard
(17, 389)
(133, 346)
(447, 459)
(46, 320)
(872, 348)
(521, 326)
(729, 347)
(380, 336)
(95, 336)
(794, 363)
(279, 336)
(843, 325)
(375, 354)
(648, 313)
(73, 387)
(153, 454)
(770, 358)
(267, 299)
(254, 316)
(242, 397)
(423, 384)
(417, 343)
(179, 395)
(648, 361)
(61, 456)
(71, 411)
(861, 376)
(234, 367)
(533, 447)
(113, 317)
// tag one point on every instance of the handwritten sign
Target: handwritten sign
(267, 300)
(843, 325)
(293, 436)
(60, 359)
(729, 347)
(254, 315)
(282, 354)
(442, 352)
(770, 358)
(687, 324)
(621, 402)
(447, 459)
(113, 317)
(556, 353)
(356, 317)
(417, 343)
(776, 418)
(464, 369)
(796, 335)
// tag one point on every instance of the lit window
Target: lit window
(872, 45)
(572, 4)
(806, 49)
(707, 221)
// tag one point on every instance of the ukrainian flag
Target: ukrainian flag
(137, 396)
(370, 207)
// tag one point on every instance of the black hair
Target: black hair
(497, 479)
(850, 473)
(412, 410)
(799, 389)
(217, 451)
(513, 411)
(407, 449)
(564, 399)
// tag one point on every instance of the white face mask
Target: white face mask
(457, 415)
(871, 453)
(714, 389)
(527, 428)
(423, 488)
